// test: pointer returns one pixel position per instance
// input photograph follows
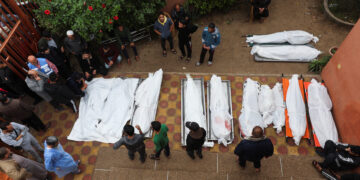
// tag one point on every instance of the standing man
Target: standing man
(261, 9)
(210, 40)
(254, 148)
(17, 166)
(41, 64)
(133, 142)
(195, 139)
(15, 110)
(161, 140)
(178, 13)
(185, 31)
(60, 93)
(50, 53)
(57, 160)
(163, 27)
(74, 44)
(124, 38)
(17, 135)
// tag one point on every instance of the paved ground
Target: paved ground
(231, 56)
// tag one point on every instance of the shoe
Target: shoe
(191, 155)
(152, 156)
(199, 154)
(131, 157)
(188, 59)
(137, 58)
(77, 171)
(209, 63)
(198, 64)
(73, 106)
(129, 61)
(181, 57)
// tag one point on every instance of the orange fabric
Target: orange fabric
(3, 176)
(288, 132)
(316, 140)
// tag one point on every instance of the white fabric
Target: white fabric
(296, 109)
(194, 109)
(104, 110)
(279, 113)
(250, 116)
(299, 53)
(219, 107)
(319, 110)
(146, 101)
(266, 104)
(292, 37)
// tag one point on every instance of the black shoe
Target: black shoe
(191, 155)
(199, 154)
(131, 157)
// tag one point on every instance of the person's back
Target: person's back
(136, 142)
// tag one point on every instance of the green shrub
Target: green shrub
(93, 17)
(202, 7)
(318, 64)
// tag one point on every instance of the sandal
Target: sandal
(129, 62)
(164, 53)
(317, 165)
(188, 59)
(152, 156)
(173, 51)
(181, 57)
(137, 58)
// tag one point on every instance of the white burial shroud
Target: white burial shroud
(104, 110)
(298, 53)
(219, 107)
(194, 111)
(291, 37)
(320, 115)
(266, 104)
(146, 101)
(250, 115)
(296, 109)
(279, 113)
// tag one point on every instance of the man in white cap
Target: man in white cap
(74, 44)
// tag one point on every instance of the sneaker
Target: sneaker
(198, 64)
(199, 154)
(152, 156)
(209, 63)
(191, 155)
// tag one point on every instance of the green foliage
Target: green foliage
(76, 15)
(202, 7)
(318, 64)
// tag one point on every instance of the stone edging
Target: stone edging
(327, 10)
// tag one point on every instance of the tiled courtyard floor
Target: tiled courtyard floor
(169, 110)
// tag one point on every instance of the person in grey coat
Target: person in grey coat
(35, 81)
(17, 135)
(15, 165)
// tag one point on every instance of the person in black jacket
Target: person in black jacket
(60, 93)
(76, 83)
(195, 139)
(91, 66)
(339, 156)
(254, 148)
(53, 55)
(261, 8)
(184, 35)
(178, 13)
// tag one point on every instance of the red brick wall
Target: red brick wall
(342, 78)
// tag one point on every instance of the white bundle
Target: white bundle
(296, 109)
(266, 104)
(319, 110)
(292, 37)
(300, 53)
(250, 116)
(219, 107)
(146, 100)
(194, 111)
(279, 113)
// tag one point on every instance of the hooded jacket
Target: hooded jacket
(254, 149)
(211, 39)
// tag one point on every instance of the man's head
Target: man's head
(183, 23)
(193, 126)
(211, 27)
(106, 47)
(46, 34)
(3, 98)
(129, 130)
(162, 17)
(177, 7)
(6, 127)
(33, 75)
(52, 141)
(32, 60)
(5, 153)
(86, 54)
(156, 125)
(257, 132)
(53, 77)
(76, 76)
(70, 34)
(44, 49)
(120, 27)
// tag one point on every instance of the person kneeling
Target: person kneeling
(91, 66)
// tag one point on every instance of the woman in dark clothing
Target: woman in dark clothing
(76, 83)
(261, 8)
(184, 35)
(195, 139)
(51, 54)
(91, 66)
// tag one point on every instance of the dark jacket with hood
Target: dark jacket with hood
(254, 149)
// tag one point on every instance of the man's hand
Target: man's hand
(132, 44)
(111, 63)
(122, 47)
(261, 10)
(19, 137)
(62, 49)
(84, 87)
(73, 53)
(348, 149)
(138, 128)
(87, 75)
(94, 72)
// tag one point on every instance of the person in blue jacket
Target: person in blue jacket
(210, 40)
(57, 160)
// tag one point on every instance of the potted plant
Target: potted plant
(344, 12)
(318, 64)
(332, 50)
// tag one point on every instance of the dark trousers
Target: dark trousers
(171, 42)
(166, 151)
(242, 162)
(125, 53)
(141, 151)
(188, 48)
(34, 122)
(330, 156)
(203, 53)
(191, 149)
(258, 15)
(64, 70)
